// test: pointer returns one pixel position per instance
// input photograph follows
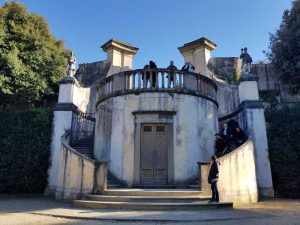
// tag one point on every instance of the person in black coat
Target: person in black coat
(239, 136)
(188, 67)
(227, 136)
(220, 145)
(213, 178)
(171, 72)
(232, 124)
(152, 65)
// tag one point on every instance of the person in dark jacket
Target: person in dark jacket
(213, 178)
(188, 67)
(152, 65)
(220, 145)
(232, 124)
(239, 136)
(171, 72)
(227, 136)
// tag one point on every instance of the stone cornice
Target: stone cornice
(69, 80)
(65, 106)
(202, 42)
(165, 113)
(248, 77)
(113, 43)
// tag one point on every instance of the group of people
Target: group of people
(231, 136)
(186, 67)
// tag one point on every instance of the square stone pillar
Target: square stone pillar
(256, 130)
(204, 186)
(120, 55)
(62, 121)
(198, 53)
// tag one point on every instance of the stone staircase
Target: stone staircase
(84, 147)
(113, 182)
(150, 199)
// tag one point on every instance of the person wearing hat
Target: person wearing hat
(213, 178)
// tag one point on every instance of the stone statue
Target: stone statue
(71, 68)
(246, 61)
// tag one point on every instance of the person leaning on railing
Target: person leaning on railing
(188, 67)
(151, 65)
(171, 72)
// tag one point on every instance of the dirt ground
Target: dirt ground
(38, 210)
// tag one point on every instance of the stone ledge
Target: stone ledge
(248, 77)
(65, 107)
(168, 113)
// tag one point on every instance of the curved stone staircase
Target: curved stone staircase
(118, 197)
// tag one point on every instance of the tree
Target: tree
(32, 61)
(284, 48)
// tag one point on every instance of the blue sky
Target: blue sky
(158, 27)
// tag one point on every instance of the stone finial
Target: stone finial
(246, 61)
(71, 68)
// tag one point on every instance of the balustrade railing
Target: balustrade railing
(157, 80)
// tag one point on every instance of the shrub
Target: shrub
(24, 150)
(283, 126)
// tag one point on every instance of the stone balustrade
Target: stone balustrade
(157, 80)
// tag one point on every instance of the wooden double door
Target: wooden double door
(154, 155)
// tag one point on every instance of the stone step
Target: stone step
(157, 206)
(151, 192)
(170, 199)
(194, 186)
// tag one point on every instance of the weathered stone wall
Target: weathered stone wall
(237, 176)
(237, 182)
(268, 79)
(78, 175)
(193, 125)
(228, 98)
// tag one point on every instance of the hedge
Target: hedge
(283, 130)
(24, 150)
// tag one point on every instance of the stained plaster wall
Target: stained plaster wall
(228, 98)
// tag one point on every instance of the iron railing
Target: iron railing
(83, 128)
(239, 116)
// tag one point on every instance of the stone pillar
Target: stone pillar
(256, 130)
(120, 55)
(204, 186)
(198, 53)
(62, 121)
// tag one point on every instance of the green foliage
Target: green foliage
(32, 61)
(284, 48)
(269, 96)
(25, 150)
(283, 126)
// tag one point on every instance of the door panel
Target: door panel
(154, 155)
